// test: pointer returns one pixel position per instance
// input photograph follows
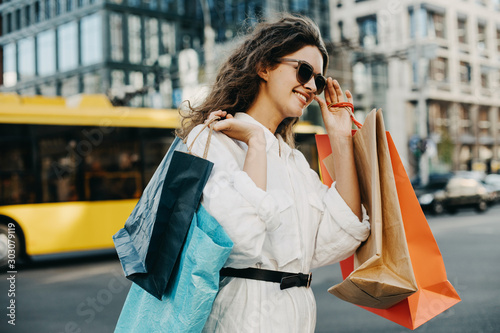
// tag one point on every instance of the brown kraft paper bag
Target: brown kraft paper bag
(383, 274)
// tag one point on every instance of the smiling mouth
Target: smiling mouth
(302, 97)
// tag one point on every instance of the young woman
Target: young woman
(282, 219)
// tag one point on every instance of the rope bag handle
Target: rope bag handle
(210, 125)
(350, 107)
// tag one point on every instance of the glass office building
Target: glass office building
(67, 47)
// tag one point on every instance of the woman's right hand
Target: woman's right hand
(246, 132)
(253, 135)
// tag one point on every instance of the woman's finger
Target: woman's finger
(223, 125)
(218, 113)
(349, 96)
(331, 91)
(338, 91)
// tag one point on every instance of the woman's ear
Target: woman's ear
(263, 72)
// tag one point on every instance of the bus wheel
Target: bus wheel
(5, 245)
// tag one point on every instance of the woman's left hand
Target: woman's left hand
(337, 120)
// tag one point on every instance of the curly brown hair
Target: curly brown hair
(237, 83)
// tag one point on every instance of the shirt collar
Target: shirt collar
(271, 140)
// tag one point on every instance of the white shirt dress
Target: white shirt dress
(296, 225)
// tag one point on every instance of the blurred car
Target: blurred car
(493, 182)
(450, 194)
(434, 178)
(490, 182)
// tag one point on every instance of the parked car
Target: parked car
(493, 181)
(490, 182)
(453, 193)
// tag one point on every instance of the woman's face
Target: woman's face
(287, 95)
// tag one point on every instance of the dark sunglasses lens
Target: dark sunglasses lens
(320, 84)
(305, 73)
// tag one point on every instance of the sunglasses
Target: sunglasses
(305, 72)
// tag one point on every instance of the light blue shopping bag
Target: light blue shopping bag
(187, 301)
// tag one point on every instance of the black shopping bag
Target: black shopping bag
(151, 241)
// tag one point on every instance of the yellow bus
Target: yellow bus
(71, 170)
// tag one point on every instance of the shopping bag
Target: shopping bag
(435, 294)
(383, 275)
(187, 302)
(151, 241)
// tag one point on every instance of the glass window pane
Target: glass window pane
(498, 39)
(17, 183)
(155, 146)
(481, 37)
(26, 58)
(299, 5)
(9, 23)
(48, 89)
(46, 50)
(136, 80)
(167, 5)
(368, 31)
(116, 31)
(18, 19)
(58, 7)
(68, 46)
(91, 39)
(134, 44)
(59, 163)
(92, 83)
(167, 38)
(117, 79)
(112, 168)
(181, 8)
(27, 15)
(69, 86)
(151, 40)
(153, 4)
(47, 9)
(37, 12)
(462, 31)
(9, 65)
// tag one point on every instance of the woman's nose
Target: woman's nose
(311, 85)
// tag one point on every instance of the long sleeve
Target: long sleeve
(244, 211)
(339, 232)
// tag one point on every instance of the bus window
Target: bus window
(112, 168)
(58, 165)
(16, 166)
(155, 145)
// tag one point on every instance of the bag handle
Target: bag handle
(208, 124)
(350, 107)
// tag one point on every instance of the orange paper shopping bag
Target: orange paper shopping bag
(435, 294)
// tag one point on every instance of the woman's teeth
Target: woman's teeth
(301, 96)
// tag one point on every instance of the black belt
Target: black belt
(285, 279)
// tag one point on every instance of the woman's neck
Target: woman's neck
(263, 111)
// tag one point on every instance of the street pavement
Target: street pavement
(470, 246)
(86, 294)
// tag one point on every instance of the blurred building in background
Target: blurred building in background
(152, 53)
(433, 66)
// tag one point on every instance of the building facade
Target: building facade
(434, 68)
(139, 52)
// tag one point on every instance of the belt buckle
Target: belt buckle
(290, 281)
(295, 280)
